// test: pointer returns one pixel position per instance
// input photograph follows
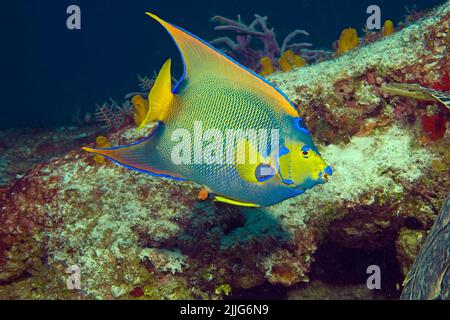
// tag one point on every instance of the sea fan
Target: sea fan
(112, 116)
(127, 109)
(146, 83)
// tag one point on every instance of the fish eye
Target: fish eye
(305, 150)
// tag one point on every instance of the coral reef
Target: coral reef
(332, 98)
(21, 149)
(113, 115)
(135, 236)
(241, 49)
(134, 108)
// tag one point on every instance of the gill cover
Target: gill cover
(300, 166)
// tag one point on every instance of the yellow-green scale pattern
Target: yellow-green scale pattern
(220, 104)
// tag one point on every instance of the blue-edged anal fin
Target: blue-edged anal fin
(202, 61)
(137, 156)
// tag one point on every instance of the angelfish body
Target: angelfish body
(215, 97)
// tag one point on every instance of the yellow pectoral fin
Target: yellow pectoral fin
(160, 96)
(247, 172)
(235, 202)
(246, 153)
(255, 173)
(251, 165)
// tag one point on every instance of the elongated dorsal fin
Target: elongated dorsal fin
(202, 61)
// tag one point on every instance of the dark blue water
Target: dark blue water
(48, 71)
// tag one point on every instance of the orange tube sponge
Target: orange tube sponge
(140, 109)
(388, 28)
(285, 66)
(347, 41)
(290, 60)
(266, 66)
(101, 142)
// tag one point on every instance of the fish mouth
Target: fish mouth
(328, 171)
(324, 175)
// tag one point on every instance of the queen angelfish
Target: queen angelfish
(225, 128)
